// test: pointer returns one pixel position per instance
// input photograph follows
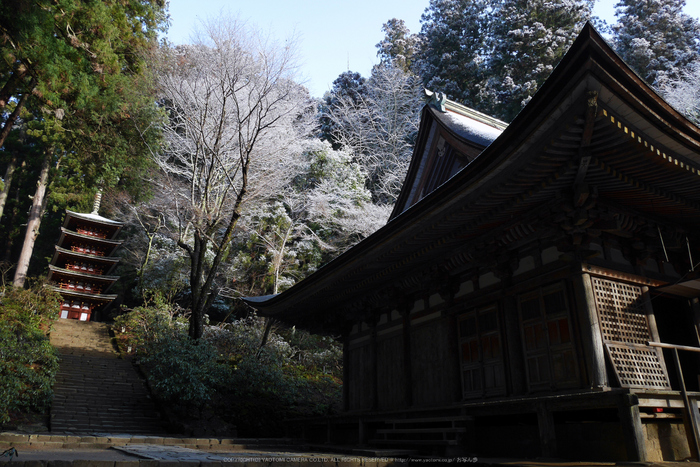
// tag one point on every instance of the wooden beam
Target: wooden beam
(591, 337)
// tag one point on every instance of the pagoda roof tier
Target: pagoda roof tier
(101, 298)
(71, 279)
(62, 256)
(108, 226)
(94, 278)
(68, 236)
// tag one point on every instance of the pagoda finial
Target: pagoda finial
(98, 200)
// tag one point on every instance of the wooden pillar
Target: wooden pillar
(407, 367)
(695, 309)
(548, 436)
(653, 329)
(646, 302)
(695, 306)
(628, 411)
(455, 356)
(591, 336)
(513, 346)
(374, 366)
(346, 372)
(448, 287)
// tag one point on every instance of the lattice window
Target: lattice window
(622, 316)
(625, 331)
(638, 366)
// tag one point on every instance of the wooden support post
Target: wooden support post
(695, 306)
(591, 336)
(653, 329)
(548, 436)
(346, 372)
(646, 302)
(407, 367)
(513, 346)
(455, 366)
(374, 367)
(628, 411)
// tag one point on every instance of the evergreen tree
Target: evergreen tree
(453, 48)
(656, 38)
(348, 85)
(399, 46)
(527, 38)
(683, 93)
(492, 55)
(380, 128)
(75, 70)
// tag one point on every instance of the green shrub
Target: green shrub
(178, 368)
(28, 362)
(227, 373)
(293, 375)
(184, 370)
(144, 325)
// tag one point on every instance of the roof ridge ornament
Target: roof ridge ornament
(436, 100)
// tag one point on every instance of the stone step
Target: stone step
(95, 390)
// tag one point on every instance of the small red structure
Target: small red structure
(81, 265)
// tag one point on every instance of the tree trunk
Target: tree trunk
(11, 219)
(9, 172)
(10, 122)
(197, 258)
(277, 266)
(34, 222)
(202, 295)
(12, 85)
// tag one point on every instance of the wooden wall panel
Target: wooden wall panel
(391, 383)
(433, 368)
(360, 378)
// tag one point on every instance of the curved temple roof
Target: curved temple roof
(594, 119)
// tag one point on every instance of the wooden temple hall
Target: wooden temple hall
(535, 291)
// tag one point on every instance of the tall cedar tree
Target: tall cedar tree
(527, 38)
(77, 70)
(348, 85)
(399, 46)
(493, 55)
(380, 127)
(453, 48)
(656, 38)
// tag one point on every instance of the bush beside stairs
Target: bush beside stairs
(96, 391)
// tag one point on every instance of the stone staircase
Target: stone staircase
(95, 390)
